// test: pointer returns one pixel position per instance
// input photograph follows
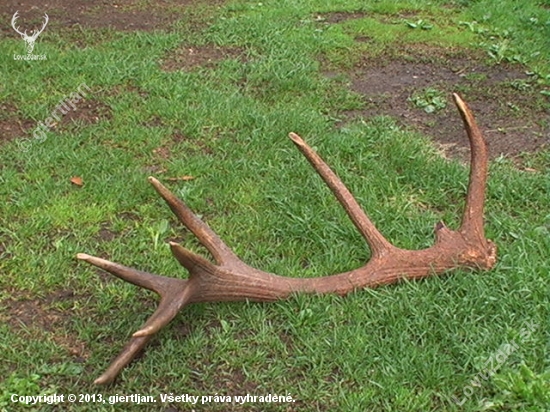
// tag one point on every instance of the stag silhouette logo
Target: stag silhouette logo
(30, 40)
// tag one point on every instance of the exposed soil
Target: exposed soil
(87, 112)
(508, 105)
(11, 124)
(120, 15)
(105, 234)
(38, 317)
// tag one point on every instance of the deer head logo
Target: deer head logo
(30, 40)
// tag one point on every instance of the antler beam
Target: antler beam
(230, 279)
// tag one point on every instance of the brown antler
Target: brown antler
(230, 279)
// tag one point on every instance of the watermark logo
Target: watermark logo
(494, 363)
(30, 40)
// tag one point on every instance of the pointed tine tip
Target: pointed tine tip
(159, 187)
(154, 181)
(93, 260)
(102, 381)
(463, 108)
(296, 139)
(459, 102)
(149, 330)
(188, 259)
(181, 253)
(175, 247)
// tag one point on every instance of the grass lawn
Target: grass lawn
(202, 95)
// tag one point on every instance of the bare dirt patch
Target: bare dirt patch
(39, 317)
(105, 234)
(121, 15)
(190, 57)
(11, 124)
(87, 112)
(508, 105)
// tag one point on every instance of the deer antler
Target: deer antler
(230, 279)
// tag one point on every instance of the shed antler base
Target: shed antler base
(230, 279)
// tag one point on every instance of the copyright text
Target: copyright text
(137, 398)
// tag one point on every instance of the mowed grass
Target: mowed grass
(415, 346)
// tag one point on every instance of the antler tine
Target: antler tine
(219, 250)
(376, 241)
(156, 283)
(167, 310)
(129, 352)
(472, 219)
(189, 260)
(174, 293)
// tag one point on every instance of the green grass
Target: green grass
(410, 347)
